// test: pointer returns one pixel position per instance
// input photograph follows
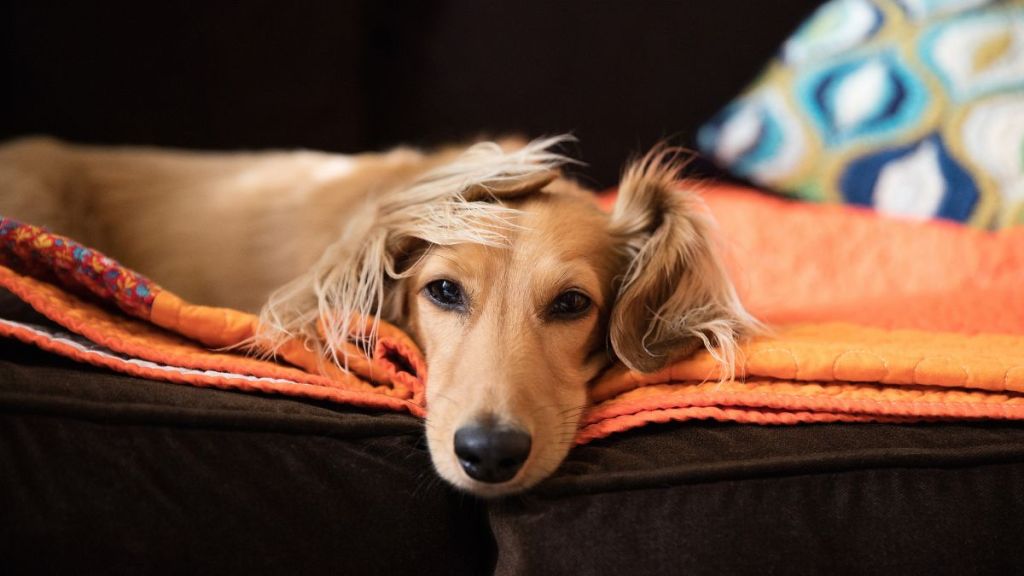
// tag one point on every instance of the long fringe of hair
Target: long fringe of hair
(341, 299)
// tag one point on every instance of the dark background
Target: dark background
(351, 75)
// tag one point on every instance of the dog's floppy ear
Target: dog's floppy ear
(676, 295)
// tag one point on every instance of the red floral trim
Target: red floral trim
(35, 251)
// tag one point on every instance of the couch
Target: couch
(105, 473)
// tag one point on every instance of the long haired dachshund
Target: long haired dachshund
(516, 286)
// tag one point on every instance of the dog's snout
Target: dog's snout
(491, 453)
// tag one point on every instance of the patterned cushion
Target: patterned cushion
(914, 107)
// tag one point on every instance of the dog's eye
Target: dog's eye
(446, 294)
(569, 304)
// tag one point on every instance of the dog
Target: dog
(516, 286)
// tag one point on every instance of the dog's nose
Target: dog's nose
(491, 453)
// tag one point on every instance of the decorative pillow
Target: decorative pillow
(914, 107)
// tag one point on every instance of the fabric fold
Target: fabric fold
(871, 321)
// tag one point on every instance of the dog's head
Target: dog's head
(520, 291)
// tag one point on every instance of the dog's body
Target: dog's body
(224, 229)
(519, 290)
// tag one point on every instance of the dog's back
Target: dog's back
(34, 178)
(219, 228)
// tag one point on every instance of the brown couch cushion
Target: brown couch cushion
(108, 474)
(707, 498)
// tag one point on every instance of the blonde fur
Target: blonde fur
(313, 241)
(452, 204)
(676, 295)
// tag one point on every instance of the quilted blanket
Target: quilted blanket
(872, 319)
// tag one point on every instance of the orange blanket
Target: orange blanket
(874, 319)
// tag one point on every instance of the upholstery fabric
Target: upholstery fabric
(705, 498)
(107, 473)
(110, 474)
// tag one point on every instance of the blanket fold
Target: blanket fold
(873, 320)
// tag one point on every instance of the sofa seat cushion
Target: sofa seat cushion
(104, 473)
(708, 498)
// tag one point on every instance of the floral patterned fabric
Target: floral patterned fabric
(37, 252)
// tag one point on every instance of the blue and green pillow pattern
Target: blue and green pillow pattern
(913, 107)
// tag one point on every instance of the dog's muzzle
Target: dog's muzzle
(491, 453)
